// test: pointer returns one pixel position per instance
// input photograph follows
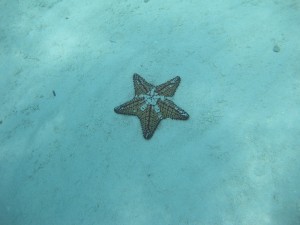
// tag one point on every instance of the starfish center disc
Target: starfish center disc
(152, 97)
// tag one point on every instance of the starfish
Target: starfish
(151, 104)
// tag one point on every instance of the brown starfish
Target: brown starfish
(151, 104)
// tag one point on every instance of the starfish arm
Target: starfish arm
(141, 86)
(131, 107)
(168, 88)
(149, 121)
(169, 109)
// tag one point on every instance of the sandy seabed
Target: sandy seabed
(66, 158)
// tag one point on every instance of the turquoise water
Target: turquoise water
(67, 158)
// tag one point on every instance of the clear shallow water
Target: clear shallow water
(69, 159)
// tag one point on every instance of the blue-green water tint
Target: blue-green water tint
(67, 158)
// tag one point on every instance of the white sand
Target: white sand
(69, 159)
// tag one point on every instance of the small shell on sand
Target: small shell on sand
(276, 48)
